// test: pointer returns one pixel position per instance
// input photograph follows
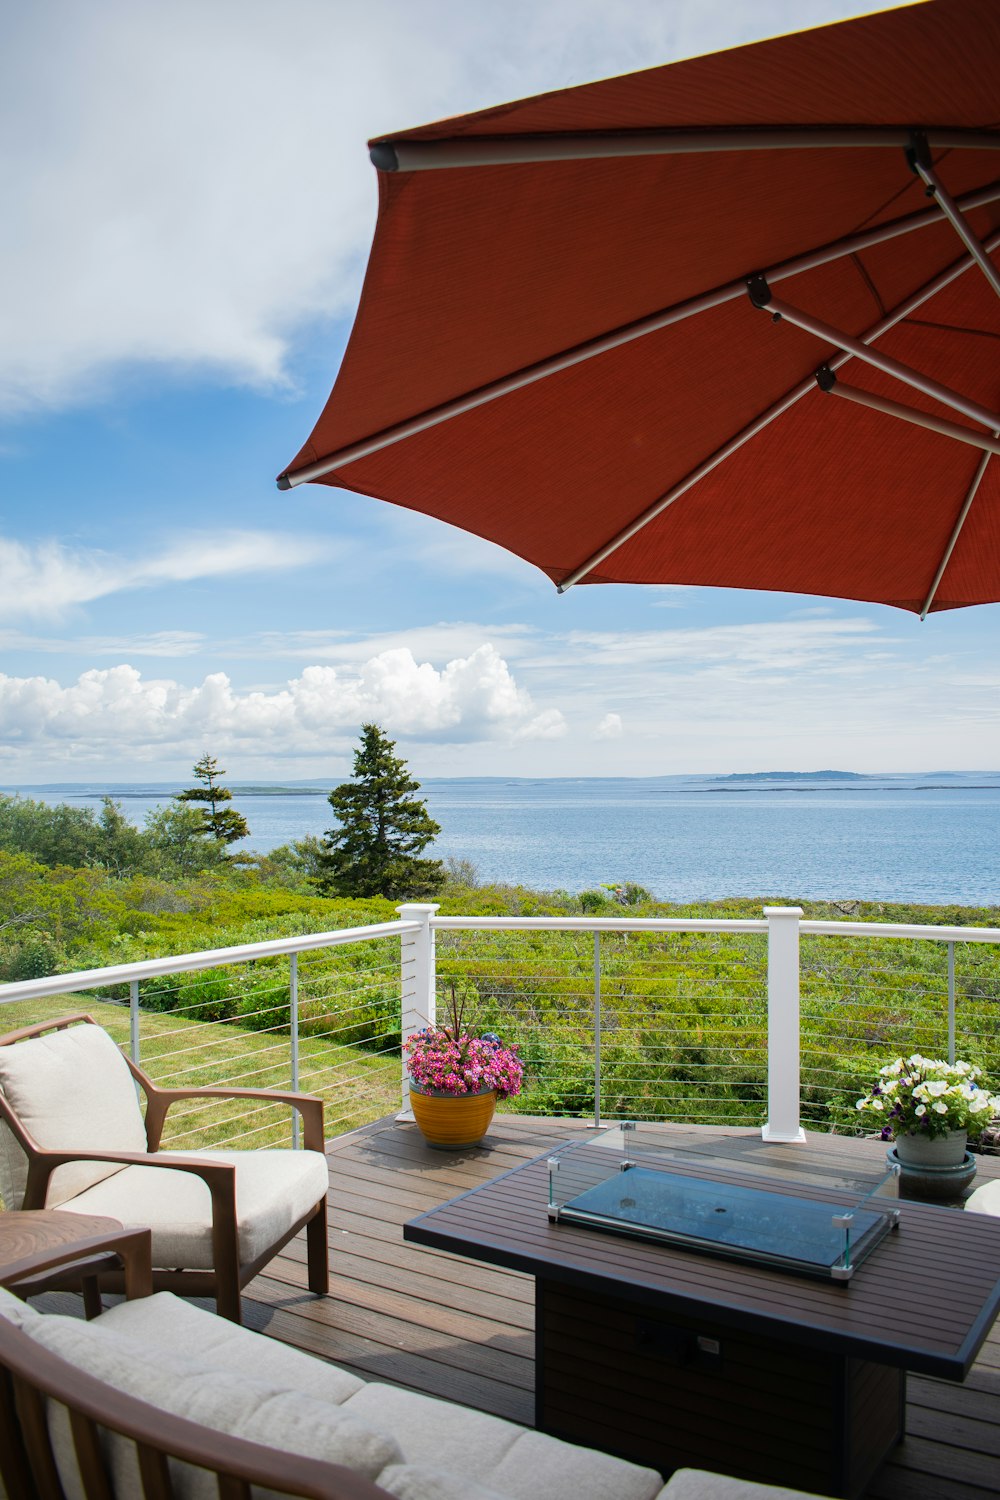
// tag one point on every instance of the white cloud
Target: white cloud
(609, 728)
(43, 580)
(169, 643)
(471, 698)
(187, 184)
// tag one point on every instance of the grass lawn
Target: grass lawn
(357, 1086)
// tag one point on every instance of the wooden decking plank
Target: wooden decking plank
(369, 1359)
(369, 1259)
(353, 1276)
(500, 1359)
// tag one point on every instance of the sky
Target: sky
(188, 207)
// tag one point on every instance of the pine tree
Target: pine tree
(381, 830)
(223, 824)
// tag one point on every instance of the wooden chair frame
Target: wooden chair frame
(229, 1276)
(29, 1374)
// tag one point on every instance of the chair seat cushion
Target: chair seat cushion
(497, 1455)
(167, 1322)
(274, 1189)
(986, 1199)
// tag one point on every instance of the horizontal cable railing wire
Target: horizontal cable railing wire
(677, 1018)
(939, 997)
(223, 1018)
(616, 1017)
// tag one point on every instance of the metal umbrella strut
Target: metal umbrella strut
(734, 321)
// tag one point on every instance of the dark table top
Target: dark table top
(924, 1300)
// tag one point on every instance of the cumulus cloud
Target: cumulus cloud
(610, 728)
(43, 580)
(473, 698)
(187, 184)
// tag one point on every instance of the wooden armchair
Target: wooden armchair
(72, 1137)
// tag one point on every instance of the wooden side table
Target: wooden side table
(44, 1250)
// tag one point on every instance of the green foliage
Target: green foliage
(594, 902)
(52, 835)
(460, 875)
(223, 824)
(628, 894)
(63, 835)
(176, 835)
(381, 829)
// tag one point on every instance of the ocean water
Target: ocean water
(932, 838)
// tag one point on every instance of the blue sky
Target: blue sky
(190, 205)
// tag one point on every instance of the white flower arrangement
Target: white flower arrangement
(929, 1097)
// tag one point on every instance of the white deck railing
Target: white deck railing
(618, 1015)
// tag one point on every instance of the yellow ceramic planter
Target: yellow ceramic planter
(453, 1122)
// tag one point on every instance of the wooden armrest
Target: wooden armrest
(218, 1176)
(309, 1106)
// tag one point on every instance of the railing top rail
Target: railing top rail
(208, 958)
(598, 924)
(901, 930)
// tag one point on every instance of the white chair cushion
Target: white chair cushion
(697, 1484)
(986, 1199)
(233, 1404)
(508, 1459)
(274, 1189)
(541, 1465)
(168, 1323)
(436, 1433)
(418, 1482)
(14, 1310)
(72, 1091)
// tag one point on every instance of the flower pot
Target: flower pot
(916, 1150)
(452, 1122)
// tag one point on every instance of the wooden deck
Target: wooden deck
(454, 1328)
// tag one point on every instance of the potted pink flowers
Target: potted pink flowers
(456, 1079)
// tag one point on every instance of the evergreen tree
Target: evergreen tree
(381, 830)
(223, 824)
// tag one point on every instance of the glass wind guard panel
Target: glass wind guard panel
(782, 1206)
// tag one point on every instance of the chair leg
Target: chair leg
(92, 1305)
(317, 1251)
(227, 1297)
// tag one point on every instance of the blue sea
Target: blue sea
(931, 838)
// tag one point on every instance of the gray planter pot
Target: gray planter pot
(920, 1151)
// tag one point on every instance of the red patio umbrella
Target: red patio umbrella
(734, 321)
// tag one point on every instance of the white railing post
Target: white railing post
(417, 988)
(783, 1024)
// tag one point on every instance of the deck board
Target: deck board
(459, 1329)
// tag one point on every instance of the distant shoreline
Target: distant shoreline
(666, 786)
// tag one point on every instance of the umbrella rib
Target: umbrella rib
(949, 549)
(790, 398)
(828, 382)
(919, 158)
(517, 150)
(589, 349)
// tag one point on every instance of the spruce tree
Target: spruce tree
(223, 824)
(381, 830)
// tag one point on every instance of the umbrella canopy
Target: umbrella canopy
(730, 322)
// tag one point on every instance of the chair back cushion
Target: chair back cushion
(72, 1091)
